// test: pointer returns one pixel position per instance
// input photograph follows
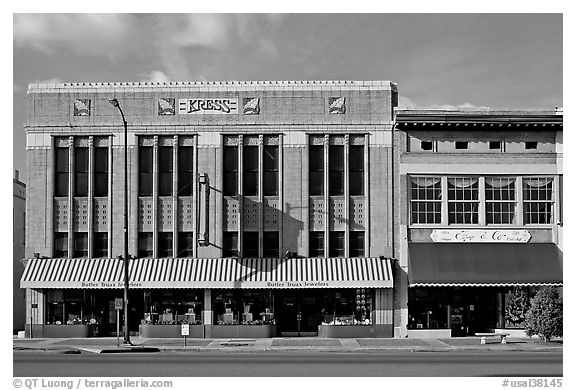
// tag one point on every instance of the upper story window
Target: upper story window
(101, 171)
(426, 145)
(62, 170)
(250, 171)
(60, 245)
(230, 170)
(230, 244)
(316, 244)
(336, 244)
(530, 145)
(463, 200)
(250, 245)
(145, 245)
(356, 162)
(426, 199)
(316, 166)
(145, 170)
(165, 170)
(81, 172)
(270, 170)
(538, 200)
(185, 170)
(500, 200)
(357, 244)
(100, 245)
(461, 144)
(165, 244)
(185, 244)
(80, 244)
(336, 170)
(271, 247)
(495, 145)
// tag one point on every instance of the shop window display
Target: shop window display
(428, 308)
(172, 307)
(348, 307)
(247, 307)
(69, 307)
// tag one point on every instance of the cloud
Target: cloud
(406, 102)
(156, 76)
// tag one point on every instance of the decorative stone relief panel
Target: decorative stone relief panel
(145, 215)
(101, 141)
(166, 106)
(82, 142)
(62, 142)
(271, 140)
(165, 214)
(230, 206)
(61, 215)
(146, 141)
(337, 218)
(251, 106)
(271, 213)
(165, 141)
(357, 213)
(337, 140)
(337, 105)
(230, 141)
(100, 214)
(185, 141)
(185, 214)
(316, 140)
(251, 140)
(82, 107)
(80, 214)
(357, 140)
(250, 217)
(317, 213)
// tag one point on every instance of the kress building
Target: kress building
(256, 209)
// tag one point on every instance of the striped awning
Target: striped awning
(210, 273)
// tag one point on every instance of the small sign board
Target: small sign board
(185, 329)
(476, 235)
(118, 304)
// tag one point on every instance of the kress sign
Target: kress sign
(208, 106)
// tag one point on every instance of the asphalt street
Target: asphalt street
(290, 364)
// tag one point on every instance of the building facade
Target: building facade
(255, 209)
(18, 245)
(479, 195)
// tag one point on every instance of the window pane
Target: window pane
(100, 245)
(145, 183)
(185, 170)
(316, 183)
(101, 172)
(356, 158)
(336, 183)
(230, 171)
(336, 166)
(270, 170)
(165, 244)
(81, 184)
(316, 157)
(250, 177)
(356, 244)
(336, 244)
(271, 245)
(80, 245)
(316, 244)
(250, 245)
(356, 183)
(62, 156)
(185, 244)
(145, 245)
(230, 244)
(81, 172)
(145, 177)
(60, 245)
(61, 184)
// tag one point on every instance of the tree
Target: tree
(517, 305)
(544, 318)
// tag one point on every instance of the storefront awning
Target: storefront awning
(470, 264)
(210, 273)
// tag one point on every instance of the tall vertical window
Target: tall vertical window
(145, 245)
(165, 170)
(463, 200)
(250, 171)
(538, 200)
(230, 170)
(185, 244)
(250, 244)
(230, 244)
(145, 171)
(336, 244)
(80, 244)
(356, 162)
(316, 244)
(100, 245)
(316, 163)
(270, 170)
(500, 200)
(100, 171)
(60, 245)
(81, 172)
(62, 170)
(356, 244)
(426, 200)
(185, 170)
(271, 245)
(336, 167)
(165, 244)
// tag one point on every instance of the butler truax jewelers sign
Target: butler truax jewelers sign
(208, 106)
(473, 235)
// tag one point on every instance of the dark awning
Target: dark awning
(459, 264)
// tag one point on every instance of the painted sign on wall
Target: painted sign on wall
(208, 106)
(476, 235)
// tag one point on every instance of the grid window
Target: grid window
(463, 200)
(250, 174)
(336, 170)
(356, 162)
(538, 202)
(60, 245)
(250, 245)
(356, 244)
(185, 170)
(81, 172)
(270, 170)
(165, 244)
(100, 171)
(145, 171)
(271, 245)
(165, 170)
(426, 200)
(316, 244)
(80, 245)
(145, 245)
(100, 245)
(62, 170)
(230, 244)
(500, 200)
(316, 161)
(185, 244)
(230, 170)
(336, 244)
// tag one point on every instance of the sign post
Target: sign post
(118, 306)
(185, 330)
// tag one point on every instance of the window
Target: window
(185, 244)
(245, 307)
(165, 170)
(250, 244)
(270, 170)
(165, 244)
(80, 245)
(172, 306)
(271, 245)
(316, 244)
(537, 193)
(145, 171)
(356, 244)
(426, 145)
(185, 170)
(316, 162)
(531, 145)
(426, 200)
(500, 200)
(230, 244)
(145, 245)
(100, 171)
(356, 162)
(250, 174)
(230, 170)
(495, 145)
(62, 169)
(81, 172)
(100, 245)
(336, 244)
(336, 167)
(60, 245)
(461, 145)
(462, 200)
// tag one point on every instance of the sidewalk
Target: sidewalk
(109, 345)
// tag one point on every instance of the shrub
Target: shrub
(544, 318)
(517, 305)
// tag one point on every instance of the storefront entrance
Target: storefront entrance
(298, 312)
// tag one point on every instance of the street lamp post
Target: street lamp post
(125, 256)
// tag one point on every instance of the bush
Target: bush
(544, 318)
(517, 305)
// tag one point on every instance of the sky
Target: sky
(437, 60)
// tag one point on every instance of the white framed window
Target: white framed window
(500, 195)
(426, 200)
(463, 200)
(538, 200)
